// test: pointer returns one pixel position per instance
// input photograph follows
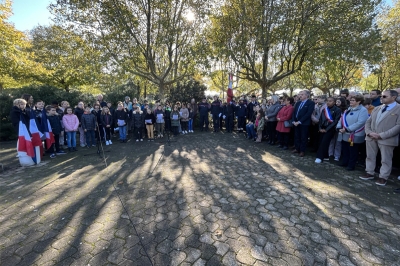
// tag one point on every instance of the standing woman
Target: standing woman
(29, 102)
(71, 124)
(270, 118)
(284, 114)
(106, 120)
(351, 131)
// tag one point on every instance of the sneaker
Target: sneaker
(337, 159)
(367, 177)
(381, 182)
(152, 139)
(318, 160)
(83, 145)
(110, 142)
(52, 156)
(398, 178)
(60, 152)
(107, 143)
(94, 145)
(326, 159)
(137, 140)
(141, 139)
(192, 131)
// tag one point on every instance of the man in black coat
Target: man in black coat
(251, 105)
(303, 110)
(216, 112)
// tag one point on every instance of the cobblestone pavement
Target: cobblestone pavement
(207, 199)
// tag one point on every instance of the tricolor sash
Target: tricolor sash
(328, 114)
(345, 125)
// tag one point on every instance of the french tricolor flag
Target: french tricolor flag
(35, 133)
(24, 139)
(47, 130)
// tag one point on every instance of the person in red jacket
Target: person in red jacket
(285, 114)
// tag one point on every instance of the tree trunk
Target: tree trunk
(1, 87)
(161, 92)
(66, 87)
(264, 88)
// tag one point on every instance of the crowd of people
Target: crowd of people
(351, 127)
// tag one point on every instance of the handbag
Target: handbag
(288, 123)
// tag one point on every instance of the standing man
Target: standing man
(250, 106)
(375, 96)
(303, 110)
(216, 112)
(203, 108)
(382, 130)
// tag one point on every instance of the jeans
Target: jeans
(190, 124)
(251, 132)
(82, 139)
(90, 139)
(71, 139)
(122, 132)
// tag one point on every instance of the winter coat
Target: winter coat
(15, 116)
(229, 110)
(241, 110)
(191, 113)
(55, 124)
(284, 114)
(70, 122)
(356, 119)
(250, 106)
(272, 111)
(185, 114)
(175, 122)
(261, 123)
(121, 115)
(195, 109)
(168, 111)
(79, 112)
(138, 119)
(216, 108)
(106, 120)
(97, 114)
(88, 121)
(323, 121)
(151, 117)
(158, 120)
(204, 108)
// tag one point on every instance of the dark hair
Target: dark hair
(38, 101)
(66, 109)
(358, 98)
(54, 102)
(343, 104)
(261, 111)
(367, 101)
(290, 99)
(49, 107)
(344, 91)
(393, 93)
(26, 97)
(377, 92)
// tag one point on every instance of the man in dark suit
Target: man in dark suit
(302, 121)
(250, 106)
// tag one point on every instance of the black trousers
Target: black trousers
(215, 118)
(55, 147)
(349, 154)
(283, 138)
(324, 141)
(229, 123)
(314, 137)
(271, 130)
(301, 137)
(138, 131)
(242, 122)
(203, 120)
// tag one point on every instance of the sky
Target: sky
(30, 13)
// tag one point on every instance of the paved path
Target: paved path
(207, 199)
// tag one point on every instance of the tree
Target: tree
(270, 40)
(70, 59)
(157, 40)
(187, 90)
(16, 66)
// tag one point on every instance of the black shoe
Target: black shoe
(342, 165)
(350, 168)
(285, 148)
(280, 146)
(396, 190)
(74, 149)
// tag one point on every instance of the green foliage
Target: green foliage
(271, 40)
(16, 64)
(69, 59)
(186, 91)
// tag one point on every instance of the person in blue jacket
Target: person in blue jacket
(204, 108)
(228, 114)
(241, 113)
